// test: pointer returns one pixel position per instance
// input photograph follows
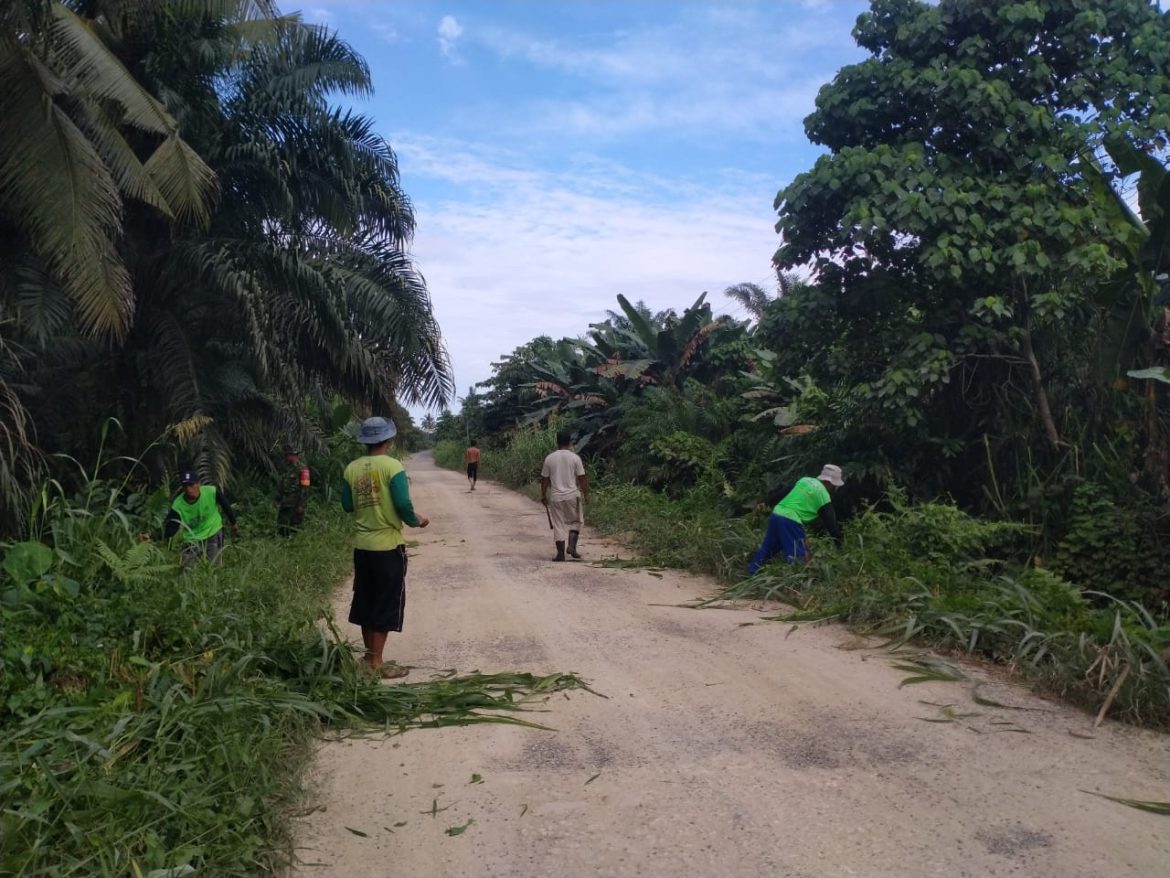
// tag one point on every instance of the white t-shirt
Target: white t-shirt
(561, 468)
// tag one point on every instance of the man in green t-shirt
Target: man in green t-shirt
(809, 499)
(197, 515)
(375, 490)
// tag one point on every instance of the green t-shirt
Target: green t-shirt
(803, 503)
(200, 520)
(378, 524)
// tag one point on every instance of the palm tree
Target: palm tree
(751, 297)
(754, 299)
(229, 317)
(307, 251)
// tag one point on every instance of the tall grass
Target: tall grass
(930, 573)
(155, 723)
(692, 533)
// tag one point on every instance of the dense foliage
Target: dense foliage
(194, 239)
(985, 310)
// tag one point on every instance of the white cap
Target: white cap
(832, 474)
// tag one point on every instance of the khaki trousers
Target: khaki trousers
(566, 515)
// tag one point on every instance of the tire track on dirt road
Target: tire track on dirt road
(721, 749)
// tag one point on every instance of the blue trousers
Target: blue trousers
(783, 535)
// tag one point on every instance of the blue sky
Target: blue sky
(560, 153)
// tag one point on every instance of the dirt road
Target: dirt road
(723, 749)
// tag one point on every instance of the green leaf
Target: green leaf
(27, 562)
(1154, 373)
(1141, 804)
(458, 830)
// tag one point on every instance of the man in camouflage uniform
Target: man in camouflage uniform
(292, 493)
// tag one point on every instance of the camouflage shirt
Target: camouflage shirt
(290, 494)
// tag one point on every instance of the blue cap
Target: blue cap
(188, 477)
(375, 431)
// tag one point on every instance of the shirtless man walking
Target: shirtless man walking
(471, 458)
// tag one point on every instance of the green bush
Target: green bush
(449, 454)
(691, 533)
(1113, 544)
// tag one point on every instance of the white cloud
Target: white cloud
(709, 71)
(511, 252)
(387, 32)
(449, 33)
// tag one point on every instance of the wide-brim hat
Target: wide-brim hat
(375, 431)
(831, 473)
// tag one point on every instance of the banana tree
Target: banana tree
(652, 352)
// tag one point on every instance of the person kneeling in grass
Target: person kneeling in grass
(376, 492)
(197, 516)
(808, 500)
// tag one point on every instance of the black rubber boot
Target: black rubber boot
(573, 535)
(560, 551)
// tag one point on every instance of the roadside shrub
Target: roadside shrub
(449, 455)
(683, 460)
(691, 533)
(931, 573)
(1113, 545)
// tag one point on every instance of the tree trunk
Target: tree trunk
(1041, 394)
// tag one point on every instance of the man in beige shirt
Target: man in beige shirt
(563, 488)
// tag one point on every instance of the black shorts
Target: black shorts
(473, 471)
(379, 589)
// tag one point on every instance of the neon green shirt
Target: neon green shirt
(803, 503)
(200, 520)
(376, 492)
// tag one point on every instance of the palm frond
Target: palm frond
(58, 191)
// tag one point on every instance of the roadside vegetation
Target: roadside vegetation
(971, 315)
(203, 254)
(155, 723)
(922, 572)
